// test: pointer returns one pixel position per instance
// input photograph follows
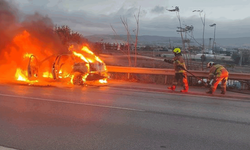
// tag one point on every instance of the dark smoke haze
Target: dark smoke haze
(39, 27)
(21, 35)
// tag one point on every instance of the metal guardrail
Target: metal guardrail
(159, 71)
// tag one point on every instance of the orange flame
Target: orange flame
(80, 56)
(86, 49)
(71, 80)
(18, 56)
(27, 55)
(47, 75)
(103, 81)
(20, 76)
(84, 77)
(98, 59)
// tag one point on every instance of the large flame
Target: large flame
(30, 48)
(80, 56)
(47, 74)
(86, 49)
(21, 75)
(25, 55)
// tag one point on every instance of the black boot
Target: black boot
(209, 92)
(223, 92)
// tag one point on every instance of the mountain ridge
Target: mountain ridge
(239, 42)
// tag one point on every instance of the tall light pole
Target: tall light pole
(203, 44)
(213, 25)
(180, 29)
(176, 9)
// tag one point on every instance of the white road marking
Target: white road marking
(6, 148)
(68, 102)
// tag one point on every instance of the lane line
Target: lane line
(124, 108)
(68, 102)
(6, 148)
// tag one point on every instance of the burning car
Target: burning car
(79, 67)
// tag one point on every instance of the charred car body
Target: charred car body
(78, 67)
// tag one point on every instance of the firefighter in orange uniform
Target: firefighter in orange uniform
(218, 74)
(180, 70)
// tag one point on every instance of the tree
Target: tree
(136, 34)
(236, 57)
(129, 38)
(64, 34)
(68, 36)
(242, 57)
(125, 23)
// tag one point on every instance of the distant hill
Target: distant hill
(234, 42)
(242, 42)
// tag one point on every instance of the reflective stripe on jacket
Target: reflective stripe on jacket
(217, 71)
(179, 61)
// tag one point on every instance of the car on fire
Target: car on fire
(77, 67)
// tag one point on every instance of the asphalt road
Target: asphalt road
(112, 118)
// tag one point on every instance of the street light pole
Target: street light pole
(176, 9)
(213, 25)
(203, 43)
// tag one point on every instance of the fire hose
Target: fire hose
(199, 79)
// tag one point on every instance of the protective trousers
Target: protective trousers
(216, 81)
(183, 77)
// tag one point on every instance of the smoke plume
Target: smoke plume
(20, 35)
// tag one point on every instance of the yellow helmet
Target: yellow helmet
(177, 50)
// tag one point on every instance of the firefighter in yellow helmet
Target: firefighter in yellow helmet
(180, 70)
(218, 74)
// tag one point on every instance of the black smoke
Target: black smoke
(41, 28)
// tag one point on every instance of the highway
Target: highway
(117, 117)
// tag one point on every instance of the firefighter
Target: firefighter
(180, 70)
(218, 74)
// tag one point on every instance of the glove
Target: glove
(205, 84)
(208, 84)
(208, 81)
(168, 61)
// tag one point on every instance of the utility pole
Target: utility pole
(136, 35)
(176, 9)
(213, 25)
(180, 29)
(203, 44)
(240, 62)
(210, 47)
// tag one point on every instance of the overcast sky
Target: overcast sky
(232, 17)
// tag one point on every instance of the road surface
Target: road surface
(113, 117)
